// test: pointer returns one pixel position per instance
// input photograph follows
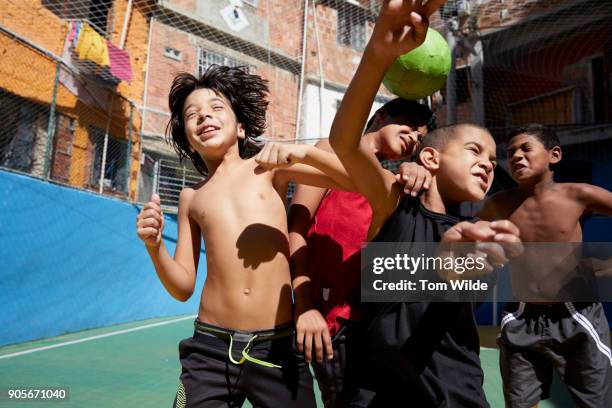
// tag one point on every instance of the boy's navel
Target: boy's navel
(247, 291)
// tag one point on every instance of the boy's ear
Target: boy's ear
(555, 155)
(241, 132)
(429, 158)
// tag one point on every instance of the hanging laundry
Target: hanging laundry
(72, 32)
(91, 46)
(120, 66)
(77, 33)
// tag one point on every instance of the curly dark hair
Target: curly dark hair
(546, 135)
(247, 94)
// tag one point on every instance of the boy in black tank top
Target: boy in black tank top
(424, 353)
(419, 354)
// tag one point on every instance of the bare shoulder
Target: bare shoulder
(586, 193)
(576, 192)
(577, 189)
(186, 195)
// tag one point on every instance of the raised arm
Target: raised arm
(401, 27)
(178, 274)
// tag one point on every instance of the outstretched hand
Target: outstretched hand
(401, 26)
(496, 242)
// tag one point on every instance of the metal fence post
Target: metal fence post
(51, 125)
(128, 165)
(156, 168)
(105, 148)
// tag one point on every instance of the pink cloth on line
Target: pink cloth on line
(120, 66)
(73, 29)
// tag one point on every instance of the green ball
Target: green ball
(422, 71)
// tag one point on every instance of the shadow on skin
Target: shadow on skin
(259, 170)
(270, 241)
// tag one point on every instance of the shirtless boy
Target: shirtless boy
(244, 336)
(537, 337)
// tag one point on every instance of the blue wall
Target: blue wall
(71, 260)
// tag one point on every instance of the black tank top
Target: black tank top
(429, 350)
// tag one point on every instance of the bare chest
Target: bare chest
(229, 205)
(548, 218)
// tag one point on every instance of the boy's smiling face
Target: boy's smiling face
(466, 165)
(529, 159)
(211, 126)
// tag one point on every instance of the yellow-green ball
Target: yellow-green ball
(422, 71)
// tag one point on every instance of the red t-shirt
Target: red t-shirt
(339, 229)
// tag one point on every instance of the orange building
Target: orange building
(63, 118)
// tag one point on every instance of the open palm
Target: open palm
(402, 26)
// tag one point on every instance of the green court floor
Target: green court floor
(136, 365)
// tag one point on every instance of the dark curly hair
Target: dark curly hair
(546, 135)
(247, 94)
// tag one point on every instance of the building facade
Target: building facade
(63, 117)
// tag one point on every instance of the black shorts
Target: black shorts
(209, 378)
(571, 338)
(335, 377)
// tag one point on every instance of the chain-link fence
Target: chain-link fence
(84, 84)
(61, 125)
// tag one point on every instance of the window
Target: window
(23, 138)
(208, 58)
(455, 8)
(463, 84)
(98, 15)
(166, 176)
(95, 12)
(172, 178)
(115, 165)
(173, 53)
(351, 27)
